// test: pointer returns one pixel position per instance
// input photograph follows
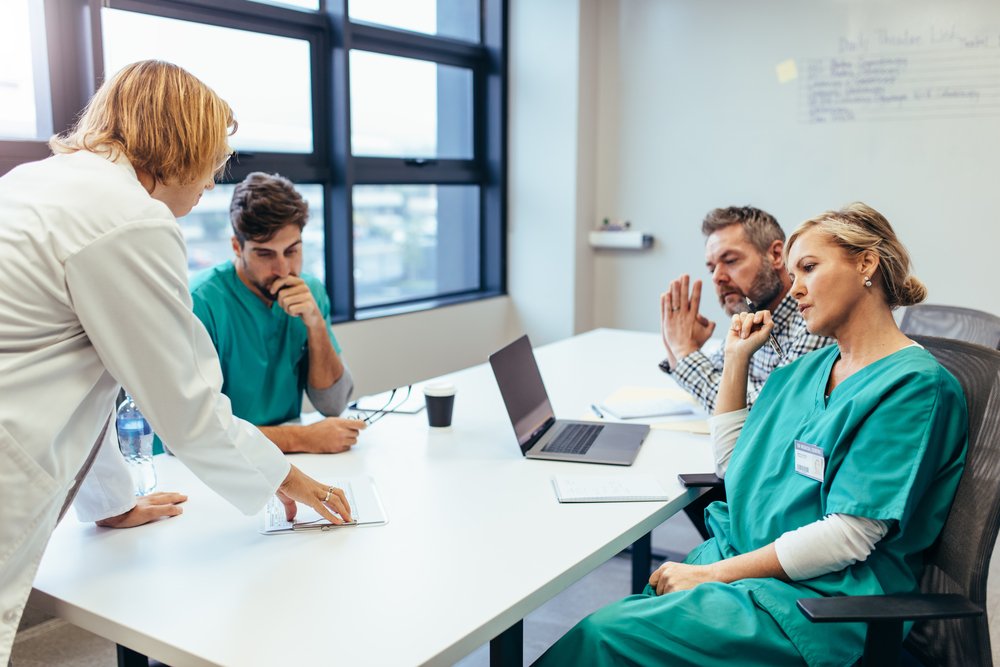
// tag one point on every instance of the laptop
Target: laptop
(539, 433)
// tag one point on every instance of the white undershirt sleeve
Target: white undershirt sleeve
(830, 544)
(725, 430)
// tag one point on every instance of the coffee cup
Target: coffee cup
(440, 400)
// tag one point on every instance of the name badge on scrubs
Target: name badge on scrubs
(809, 460)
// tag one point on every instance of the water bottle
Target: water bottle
(135, 438)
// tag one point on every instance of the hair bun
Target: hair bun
(911, 291)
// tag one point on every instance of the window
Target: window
(274, 112)
(446, 18)
(414, 241)
(24, 105)
(409, 108)
(388, 115)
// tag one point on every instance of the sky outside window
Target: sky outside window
(269, 90)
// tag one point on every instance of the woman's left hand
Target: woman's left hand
(748, 332)
(671, 577)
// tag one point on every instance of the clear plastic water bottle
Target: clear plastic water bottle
(135, 438)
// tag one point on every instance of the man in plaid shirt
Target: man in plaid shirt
(744, 252)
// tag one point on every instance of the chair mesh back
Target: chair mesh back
(972, 326)
(959, 561)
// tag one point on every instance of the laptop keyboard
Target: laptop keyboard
(574, 439)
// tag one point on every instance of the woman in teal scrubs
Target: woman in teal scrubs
(840, 477)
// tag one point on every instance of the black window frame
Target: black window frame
(75, 61)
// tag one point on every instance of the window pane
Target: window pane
(23, 76)
(414, 241)
(304, 4)
(207, 232)
(401, 107)
(446, 18)
(269, 91)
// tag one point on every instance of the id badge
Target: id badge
(809, 460)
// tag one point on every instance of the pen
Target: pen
(770, 339)
(596, 411)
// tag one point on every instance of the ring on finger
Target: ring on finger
(329, 492)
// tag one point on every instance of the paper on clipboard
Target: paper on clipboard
(642, 402)
(362, 496)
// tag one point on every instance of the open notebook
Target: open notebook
(362, 496)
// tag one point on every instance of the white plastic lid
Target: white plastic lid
(439, 389)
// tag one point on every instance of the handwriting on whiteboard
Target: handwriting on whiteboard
(904, 74)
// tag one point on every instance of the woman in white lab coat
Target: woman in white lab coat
(94, 295)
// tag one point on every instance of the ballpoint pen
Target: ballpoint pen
(597, 411)
(770, 338)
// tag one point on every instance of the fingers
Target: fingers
(664, 305)
(696, 297)
(356, 424)
(290, 507)
(684, 302)
(338, 503)
(675, 294)
(166, 498)
(154, 512)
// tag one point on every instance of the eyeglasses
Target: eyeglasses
(371, 416)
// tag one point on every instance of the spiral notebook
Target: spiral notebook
(608, 488)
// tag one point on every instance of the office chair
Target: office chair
(951, 626)
(972, 326)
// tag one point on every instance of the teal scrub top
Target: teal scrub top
(893, 436)
(262, 349)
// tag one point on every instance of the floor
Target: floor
(48, 642)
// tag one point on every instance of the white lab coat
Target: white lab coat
(93, 294)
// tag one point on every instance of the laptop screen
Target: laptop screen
(521, 386)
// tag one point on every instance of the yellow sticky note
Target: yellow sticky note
(787, 71)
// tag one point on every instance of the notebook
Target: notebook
(362, 496)
(538, 432)
(642, 402)
(608, 488)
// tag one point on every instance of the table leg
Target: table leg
(642, 560)
(129, 658)
(507, 648)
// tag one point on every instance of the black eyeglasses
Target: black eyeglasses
(371, 416)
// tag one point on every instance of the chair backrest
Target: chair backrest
(972, 326)
(959, 561)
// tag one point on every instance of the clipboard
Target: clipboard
(362, 495)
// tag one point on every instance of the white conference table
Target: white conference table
(475, 540)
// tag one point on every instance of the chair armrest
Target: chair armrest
(876, 608)
(701, 479)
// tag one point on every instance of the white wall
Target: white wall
(693, 117)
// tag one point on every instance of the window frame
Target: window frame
(75, 62)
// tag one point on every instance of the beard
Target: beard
(764, 289)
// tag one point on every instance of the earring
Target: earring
(868, 281)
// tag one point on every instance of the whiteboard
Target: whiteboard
(800, 107)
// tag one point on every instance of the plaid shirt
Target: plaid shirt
(701, 374)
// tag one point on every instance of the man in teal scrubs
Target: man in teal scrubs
(269, 322)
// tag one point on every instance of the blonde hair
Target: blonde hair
(859, 228)
(160, 117)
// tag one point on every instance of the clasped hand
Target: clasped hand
(672, 577)
(748, 332)
(295, 298)
(683, 328)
